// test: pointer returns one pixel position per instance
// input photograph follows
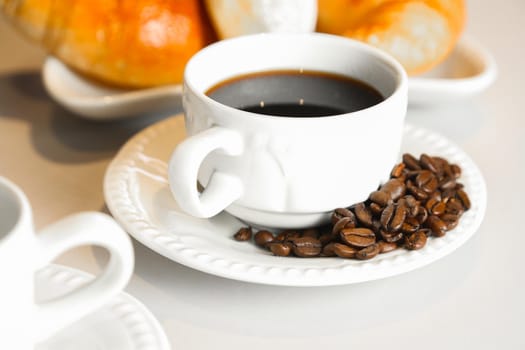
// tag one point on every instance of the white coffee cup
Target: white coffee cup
(285, 171)
(23, 323)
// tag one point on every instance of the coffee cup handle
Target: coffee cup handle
(90, 228)
(221, 190)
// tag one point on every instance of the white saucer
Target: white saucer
(138, 196)
(123, 323)
(95, 100)
(466, 72)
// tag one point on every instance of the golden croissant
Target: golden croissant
(148, 42)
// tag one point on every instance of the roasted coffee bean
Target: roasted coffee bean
(344, 251)
(363, 214)
(281, 237)
(398, 217)
(427, 162)
(435, 196)
(391, 237)
(393, 217)
(310, 232)
(416, 240)
(358, 237)
(450, 220)
(280, 249)
(376, 226)
(422, 215)
(376, 209)
(454, 206)
(412, 212)
(456, 170)
(435, 206)
(381, 198)
(328, 237)
(410, 201)
(410, 225)
(416, 191)
(368, 252)
(287, 234)
(438, 209)
(306, 247)
(411, 174)
(341, 224)
(244, 234)
(463, 197)
(438, 226)
(447, 169)
(426, 231)
(442, 166)
(411, 162)
(387, 215)
(423, 177)
(426, 181)
(341, 213)
(447, 183)
(385, 247)
(395, 187)
(397, 170)
(430, 186)
(447, 194)
(292, 233)
(328, 250)
(412, 205)
(262, 238)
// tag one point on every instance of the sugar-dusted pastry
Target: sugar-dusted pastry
(134, 43)
(419, 33)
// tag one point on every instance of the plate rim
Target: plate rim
(119, 306)
(143, 231)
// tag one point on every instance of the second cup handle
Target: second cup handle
(221, 190)
(73, 231)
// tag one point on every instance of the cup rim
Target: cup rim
(24, 210)
(401, 78)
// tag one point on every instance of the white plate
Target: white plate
(95, 100)
(123, 323)
(466, 72)
(469, 70)
(138, 196)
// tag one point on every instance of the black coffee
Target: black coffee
(295, 93)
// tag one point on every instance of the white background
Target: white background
(474, 298)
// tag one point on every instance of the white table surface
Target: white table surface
(473, 298)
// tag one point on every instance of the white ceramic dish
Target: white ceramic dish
(123, 323)
(94, 100)
(138, 196)
(467, 71)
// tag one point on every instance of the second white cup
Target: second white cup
(24, 323)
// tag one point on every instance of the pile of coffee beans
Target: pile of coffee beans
(422, 199)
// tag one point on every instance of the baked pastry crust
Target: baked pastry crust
(419, 33)
(135, 43)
